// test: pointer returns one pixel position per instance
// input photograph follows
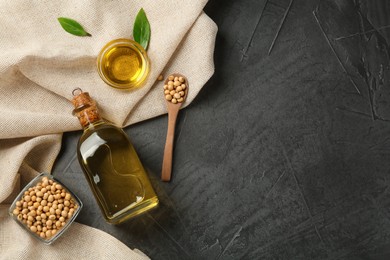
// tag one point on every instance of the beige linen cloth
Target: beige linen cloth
(40, 65)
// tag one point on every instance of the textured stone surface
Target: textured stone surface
(281, 156)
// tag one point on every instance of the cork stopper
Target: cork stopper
(81, 98)
(84, 108)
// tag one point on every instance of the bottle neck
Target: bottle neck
(88, 116)
(93, 125)
(85, 109)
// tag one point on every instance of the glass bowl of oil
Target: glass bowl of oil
(123, 64)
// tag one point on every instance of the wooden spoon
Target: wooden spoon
(173, 111)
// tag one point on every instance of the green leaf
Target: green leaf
(72, 27)
(141, 29)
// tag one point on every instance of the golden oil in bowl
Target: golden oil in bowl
(123, 64)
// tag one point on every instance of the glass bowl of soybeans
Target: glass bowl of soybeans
(45, 208)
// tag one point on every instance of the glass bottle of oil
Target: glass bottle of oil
(111, 165)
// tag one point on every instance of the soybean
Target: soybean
(46, 207)
(174, 89)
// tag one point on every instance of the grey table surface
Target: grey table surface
(285, 152)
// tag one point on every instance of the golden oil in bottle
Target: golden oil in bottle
(123, 64)
(111, 165)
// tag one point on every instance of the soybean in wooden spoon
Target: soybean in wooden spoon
(175, 91)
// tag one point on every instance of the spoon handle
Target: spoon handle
(168, 150)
